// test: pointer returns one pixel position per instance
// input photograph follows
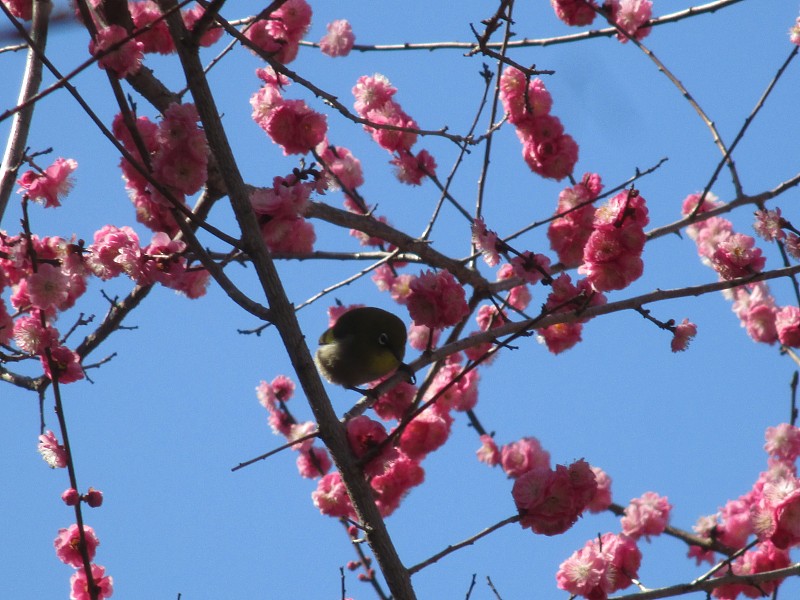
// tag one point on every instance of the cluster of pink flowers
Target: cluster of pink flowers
(312, 462)
(391, 472)
(339, 39)
(601, 567)
(375, 102)
(291, 124)
(569, 233)
(279, 33)
(564, 297)
(547, 150)
(770, 510)
(436, 300)
(280, 211)
(125, 60)
(646, 516)
(612, 256)
(157, 39)
(550, 501)
(50, 185)
(628, 15)
(68, 549)
(178, 152)
(736, 255)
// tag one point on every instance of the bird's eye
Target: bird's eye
(383, 339)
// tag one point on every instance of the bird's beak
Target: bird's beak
(412, 379)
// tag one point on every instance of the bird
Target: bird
(364, 344)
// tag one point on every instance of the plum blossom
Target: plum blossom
(629, 16)
(527, 454)
(783, 442)
(769, 225)
(645, 516)
(437, 300)
(68, 545)
(79, 586)
(601, 567)
(49, 186)
(53, 453)
(737, 256)
(575, 12)
(488, 452)
(280, 32)
(683, 334)
(551, 501)
(339, 39)
(125, 60)
(787, 324)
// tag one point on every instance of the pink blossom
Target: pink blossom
(115, 250)
(181, 158)
(630, 16)
(569, 233)
(488, 453)
(211, 35)
(71, 497)
(51, 185)
(425, 433)
(293, 236)
(67, 365)
(523, 98)
(765, 557)
(787, 324)
(341, 167)
(546, 149)
(582, 573)
(683, 334)
(783, 442)
(391, 487)
(794, 33)
(79, 586)
(372, 92)
(339, 39)
(574, 12)
(792, 245)
(280, 32)
(735, 524)
(22, 9)
(93, 497)
(531, 267)
(645, 516)
(602, 498)
(394, 403)
(157, 38)
(295, 127)
(522, 456)
(601, 567)
(411, 169)
(737, 256)
(53, 453)
(755, 307)
(550, 501)
(768, 225)
(7, 325)
(313, 463)
(68, 545)
(612, 255)
(437, 300)
(690, 204)
(364, 435)
(394, 131)
(31, 336)
(456, 388)
(421, 337)
(125, 60)
(331, 497)
(561, 336)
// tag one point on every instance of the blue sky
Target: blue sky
(163, 423)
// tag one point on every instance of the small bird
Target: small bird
(364, 344)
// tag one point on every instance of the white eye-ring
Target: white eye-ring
(383, 339)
